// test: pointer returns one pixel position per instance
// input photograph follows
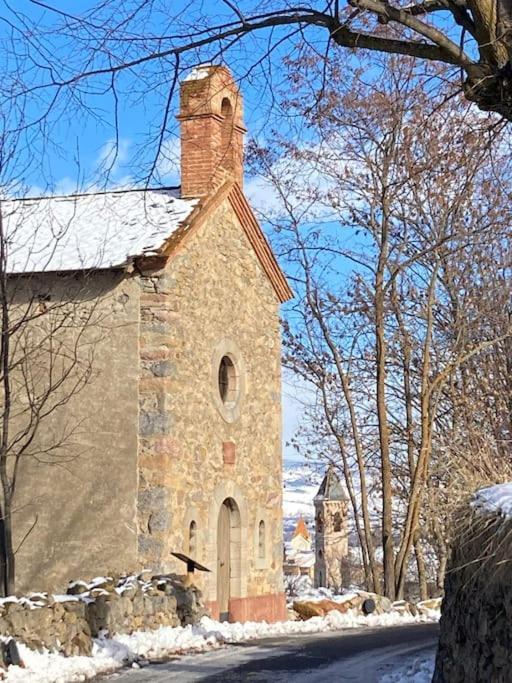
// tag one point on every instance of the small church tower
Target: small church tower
(331, 531)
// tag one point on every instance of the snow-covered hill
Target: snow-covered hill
(300, 485)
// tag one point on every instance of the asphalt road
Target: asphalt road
(355, 657)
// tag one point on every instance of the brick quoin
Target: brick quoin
(212, 131)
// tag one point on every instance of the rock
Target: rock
(307, 609)
(332, 605)
(69, 625)
(425, 605)
(382, 603)
(77, 587)
(83, 644)
(385, 604)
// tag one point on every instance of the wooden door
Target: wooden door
(223, 560)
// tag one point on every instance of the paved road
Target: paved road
(355, 657)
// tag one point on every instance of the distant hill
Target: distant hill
(300, 485)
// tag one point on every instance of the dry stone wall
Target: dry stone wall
(476, 623)
(68, 623)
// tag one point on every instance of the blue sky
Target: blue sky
(80, 137)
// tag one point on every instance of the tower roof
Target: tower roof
(331, 488)
(301, 530)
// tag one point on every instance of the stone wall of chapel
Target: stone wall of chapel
(77, 503)
(212, 296)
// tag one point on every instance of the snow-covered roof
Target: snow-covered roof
(494, 500)
(199, 72)
(97, 230)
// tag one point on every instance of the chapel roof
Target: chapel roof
(111, 229)
(90, 231)
(331, 488)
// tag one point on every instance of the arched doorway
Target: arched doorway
(228, 555)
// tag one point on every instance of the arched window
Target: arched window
(261, 540)
(319, 523)
(337, 521)
(192, 539)
(226, 109)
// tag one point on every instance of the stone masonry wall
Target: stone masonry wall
(476, 622)
(68, 623)
(213, 296)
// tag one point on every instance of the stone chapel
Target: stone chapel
(177, 445)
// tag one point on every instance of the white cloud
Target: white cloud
(113, 154)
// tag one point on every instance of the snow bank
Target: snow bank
(419, 669)
(494, 500)
(110, 654)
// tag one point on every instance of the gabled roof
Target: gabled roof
(331, 488)
(104, 230)
(90, 231)
(301, 530)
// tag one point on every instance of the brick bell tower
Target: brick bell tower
(212, 130)
(331, 531)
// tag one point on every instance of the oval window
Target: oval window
(228, 381)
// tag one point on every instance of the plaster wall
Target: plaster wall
(75, 505)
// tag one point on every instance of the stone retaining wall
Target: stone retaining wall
(68, 623)
(476, 623)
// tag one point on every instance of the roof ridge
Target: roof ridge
(96, 193)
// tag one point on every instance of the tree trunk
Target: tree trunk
(422, 572)
(386, 474)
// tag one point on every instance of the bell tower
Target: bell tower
(331, 531)
(211, 129)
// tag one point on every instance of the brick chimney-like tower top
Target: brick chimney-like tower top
(212, 130)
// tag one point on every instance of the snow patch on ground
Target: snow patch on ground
(418, 669)
(494, 500)
(110, 654)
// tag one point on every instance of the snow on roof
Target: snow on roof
(494, 500)
(199, 72)
(97, 230)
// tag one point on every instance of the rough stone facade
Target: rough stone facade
(331, 532)
(212, 299)
(475, 642)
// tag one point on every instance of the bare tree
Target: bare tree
(393, 225)
(86, 55)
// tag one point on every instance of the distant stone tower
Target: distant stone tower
(331, 531)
